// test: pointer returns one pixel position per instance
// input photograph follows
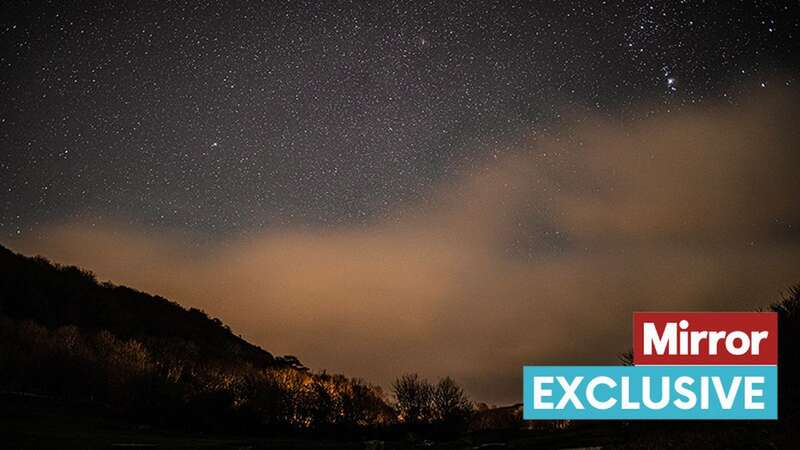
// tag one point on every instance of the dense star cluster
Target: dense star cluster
(219, 117)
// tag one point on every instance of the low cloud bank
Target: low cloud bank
(539, 256)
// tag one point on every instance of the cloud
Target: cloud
(539, 256)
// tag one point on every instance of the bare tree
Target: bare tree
(449, 401)
(413, 395)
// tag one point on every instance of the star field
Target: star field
(221, 117)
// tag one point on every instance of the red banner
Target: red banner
(702, 338)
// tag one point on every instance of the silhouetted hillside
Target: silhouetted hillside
(136, 356)
(54, 296)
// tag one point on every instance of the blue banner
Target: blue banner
(650, 392)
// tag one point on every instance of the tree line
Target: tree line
(163, 382)
(145, 358)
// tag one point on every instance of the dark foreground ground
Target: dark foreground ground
(34, 422)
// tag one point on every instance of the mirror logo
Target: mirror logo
(686, 366)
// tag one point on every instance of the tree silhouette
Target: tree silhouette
(450, 403)
(413, 396)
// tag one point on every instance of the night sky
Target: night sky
(220, 117)
(365, 184)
